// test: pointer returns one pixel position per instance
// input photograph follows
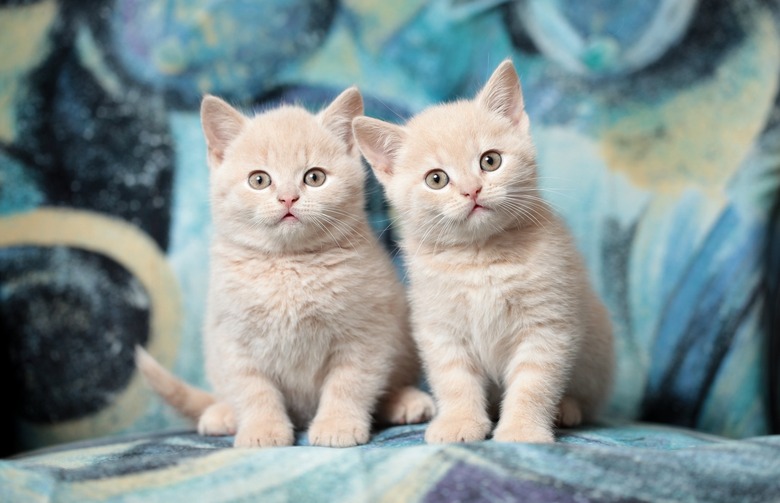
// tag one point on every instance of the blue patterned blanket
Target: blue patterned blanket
(629, 462)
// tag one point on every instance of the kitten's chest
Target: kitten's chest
(492, 309)
(280, 307)
(484, 306)
(283, 319)
(286, 291)
(487, 295)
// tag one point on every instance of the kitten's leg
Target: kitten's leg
(591, 379)
(460, 395)
(569, 412)
(407, 405)
(535, 380)
(218, 419)
(348, 397)
(260, 410)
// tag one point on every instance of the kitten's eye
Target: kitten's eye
(437, 179)
(490, 161)
(259, 180)
(314, 177)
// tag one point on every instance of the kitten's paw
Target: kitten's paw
(569, 413)
(443, 430)
(264, 434)
(532, 434)
(338, 432)
(408, 405)
(217, 420)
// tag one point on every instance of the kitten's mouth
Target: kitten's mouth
(478, 208)
(289, 217)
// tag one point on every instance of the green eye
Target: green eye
(314, 177)
(259, 180)
(490, 161)
(437, 179)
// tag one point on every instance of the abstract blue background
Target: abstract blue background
(657, 124)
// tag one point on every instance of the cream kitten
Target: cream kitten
(306, 322)
(501, 303)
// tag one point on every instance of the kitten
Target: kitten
(501, 302)
(306, 323)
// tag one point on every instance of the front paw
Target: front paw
(408, 405)
(529, 433)
(217, 420)
(338, 432)
(443, 430)
(264, 434)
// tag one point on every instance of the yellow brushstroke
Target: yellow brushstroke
(379, 19)
(335, 63)
(205, 24)
(8, 90)
(170, 57)
(426, 474)
(115, 487)
(24, 38)
(138, 254)
(23, 34)
(700, 136)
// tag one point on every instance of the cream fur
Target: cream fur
(502, 308)
(306, 323)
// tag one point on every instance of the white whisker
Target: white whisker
(323, 227)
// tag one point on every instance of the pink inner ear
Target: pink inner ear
(337, 117)
(503, 94)
(506, 102)
(221, 125)
(379, 142)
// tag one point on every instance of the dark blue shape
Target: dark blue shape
(701, 319)
(69, 321)
(772, 292)
(92, 150)
(473, 483)
(236, 49)
(152, 454)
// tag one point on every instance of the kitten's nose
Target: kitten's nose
(473, 193)
(288, 200)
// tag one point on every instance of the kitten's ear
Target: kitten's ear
(337, 118)
(379, 142)
(502, 93)
(221, 125)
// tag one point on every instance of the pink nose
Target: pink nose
(288, 201)
(473, 193)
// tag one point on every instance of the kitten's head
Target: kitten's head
(284, 180)
(459, 172)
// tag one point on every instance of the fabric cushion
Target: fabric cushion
(636, 462)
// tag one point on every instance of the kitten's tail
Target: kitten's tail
(187, 400)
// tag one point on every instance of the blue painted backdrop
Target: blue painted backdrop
(657, 125)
